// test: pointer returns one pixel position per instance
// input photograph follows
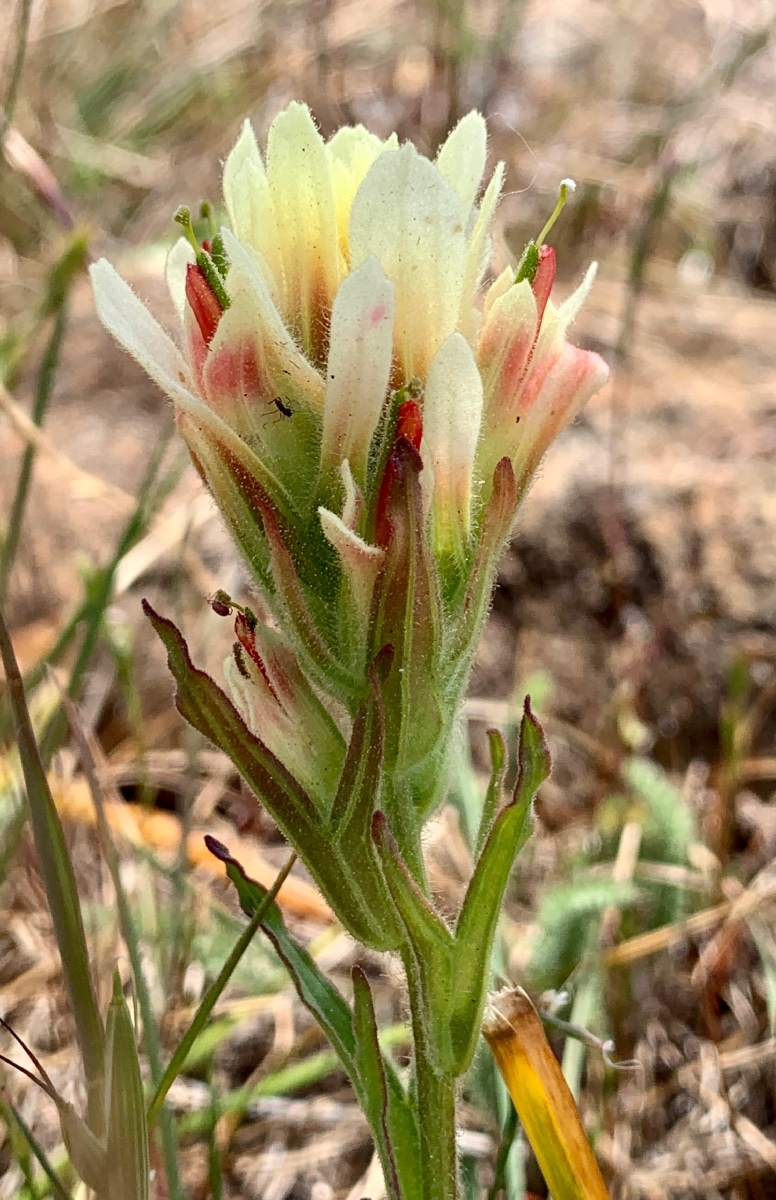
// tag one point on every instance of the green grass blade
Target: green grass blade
(101, 595)
(9, 100)
(505, 1145)
(19, 503)
(127, 1133)
(58, 1189)
(212, 994)
(19, 1145)
(91, 611)
(283, 1082)
(215, 1168)
(129, 933)
(59, 880)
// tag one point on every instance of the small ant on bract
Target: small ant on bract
(283, 410)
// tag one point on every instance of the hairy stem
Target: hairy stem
(435, 1095)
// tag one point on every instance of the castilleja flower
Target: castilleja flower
(366, 413)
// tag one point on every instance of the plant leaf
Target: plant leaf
(479, 914)
(407, 614)
(374, 1079)
(205, 706)
(357, 795)
(208, 709)
(59, 880)
(316, 992)
(390, 1115)
(324, 1001)
(127, 1142)
(430, 940)
(498, 768)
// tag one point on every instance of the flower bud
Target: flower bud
(203, 302)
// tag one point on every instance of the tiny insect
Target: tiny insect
(284, 411)
(221, 603)
(282, 408)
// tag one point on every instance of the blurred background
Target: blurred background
(636, 603)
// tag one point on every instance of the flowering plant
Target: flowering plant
(368, 423)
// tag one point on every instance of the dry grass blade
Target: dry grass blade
(513, 1029)
(161, 832)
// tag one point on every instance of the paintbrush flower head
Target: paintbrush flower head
(365, 407)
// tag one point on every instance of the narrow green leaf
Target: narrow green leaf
(205, 706)
(43, 391)
(360, 779)
(298, 1076)
(371, 1069)
(355, 1043)
(91, 614)
(357, 796)
(16, 1146)
(127, 1134)
(88, 1153)
(480, 911)
(408, 616)
(327, 1005)
(495, 526)
(433, 950)
(391, 1116)
(59, 880)
(498, 767)
(11, 1114)
(208, 709)
(215, 1167)
(129, 933)
(508, 1132)
(208, 1002)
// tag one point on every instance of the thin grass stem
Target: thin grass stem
(61, 891)
(12, 91)
(212, 994)
(101, 592)
(19, 503)
(129, 933)
(57, 1188)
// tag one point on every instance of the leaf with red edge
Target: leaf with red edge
(205, 706)
(208, 709)
(407, 614)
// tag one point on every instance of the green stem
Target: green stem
(9, 101)
(213, 993)
(149, 496)
(435, 1095)
(42, 396)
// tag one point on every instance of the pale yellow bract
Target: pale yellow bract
(355, 266)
